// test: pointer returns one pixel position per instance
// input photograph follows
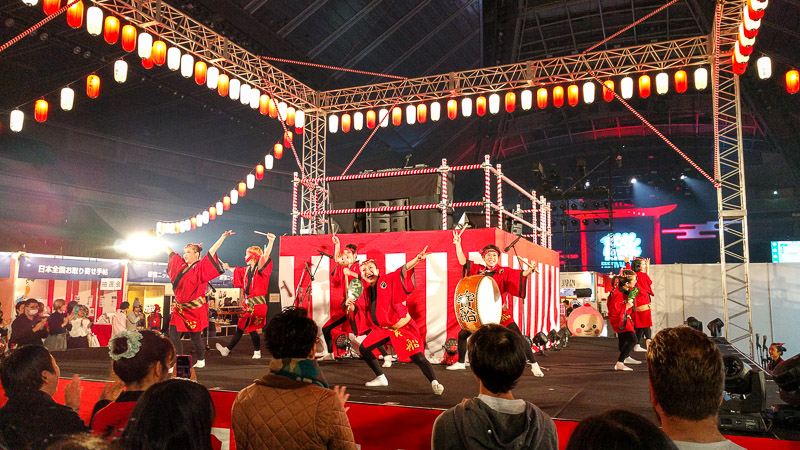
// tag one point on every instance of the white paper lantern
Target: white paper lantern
(219, 208)
(383, 117)
(255, 98)
(662, 83)
(269, 162)
(299, 119)
(173, 58)
(187, 65)
(588, 92)
(244, 94)
(94, 21)
(526, 99)
(701, 78)
(333, 123)
(199, 218)
(206, 217)
(182, 226)
(764, 65)
(436, 111)
(251, 181)
(626, 87)
(120, 71)
(411, 114)
(30, 2)
(466, 107)
(67, 98)
(145, 45)
(282, 109)
(358, 120)
(234, 196)
(212, 77)
(17, 119)
(234, 88)
(494, 104)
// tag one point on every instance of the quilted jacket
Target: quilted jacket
(278, 412)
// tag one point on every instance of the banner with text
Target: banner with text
(70, 269)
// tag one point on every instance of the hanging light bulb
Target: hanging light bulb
(111, 30)
(681, 81)
(269, 161)
(300, 119)
(234, 90)
(411, 114)
(452, 109)
(212, 212)
(644, 86)
(494, 103)
(792, 81)
(251, 181)
(223, 84)
(588, 92)
(346, 122)
(255, 95)
(700, 78)
(220, 207)
(290, 116)
(173, 58)
(145, 45)
(94, 20)
(436, 111)
(526, 99)
(17, 119)
(283, 108)
(120, 71)
(358, 121)
(212, 78)
(227, 200)
(74, 14)
(187, 65)
(662, 83)
(541, 98)
(278, 150)
(397, 116)
(422, 113)
(333, 123)
(92, 86)
(128, 38)
(466, 106)
(608, 90)
(511, 101)
(558, 96)
(40, 110)
(200, 72)
(626, 87)
(371, 119)
(244, 93)
(383, 117)
(67, 98)
(480, 105)
(764, 65)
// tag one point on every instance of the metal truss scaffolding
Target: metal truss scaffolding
(313, 198)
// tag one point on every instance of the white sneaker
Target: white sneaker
(638, 348)
(378, 381)
(620, 366)
(200, 364)
(437, 387)
(457, 366)
(328, 357)
(257, 354)
(537, 371)
(223, 350)
(630, 360)
(387, 362)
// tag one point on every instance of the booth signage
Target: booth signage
(147, 272)
(110, 284)
(223, 281)
(70, 269)
(5, 265)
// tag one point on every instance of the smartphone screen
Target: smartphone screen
(183, 366)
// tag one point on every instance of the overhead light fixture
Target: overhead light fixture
(633, 180)
(715, 327)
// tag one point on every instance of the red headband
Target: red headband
(252, 255)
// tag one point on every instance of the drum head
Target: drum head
(490, 303)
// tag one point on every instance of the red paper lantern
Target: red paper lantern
(792, 81)
(263, 104)
(644, 86)
(260, 172)
(681, 81)
(111, 30)
(51, 6)
(452, 109)
(278, 150)
(397, 116)
(573, 94)
(75, 15)
(226, 202)
(511, 101)
(273, 108)
(222, 85)
(159, 54)
(739, 68)
(480, 105)
(128, 38)
(371, 118)
(422, 113)
(40, 111)
(242, 189)
(608, 90)
(288, 137)
(147, 63)
(194, 223)
(212, 212)
(346, 121)
(298, 130)
(541, 98)
(200, 72)
(92, 86)
(558, 96)
(290, 113)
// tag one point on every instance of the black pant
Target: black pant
(327, 332)
(417, 358)
(199, 346)
(253, 337)
(627, 340)
(643, 333)
(463, 335)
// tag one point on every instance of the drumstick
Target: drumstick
(258, 232)
(462, 230)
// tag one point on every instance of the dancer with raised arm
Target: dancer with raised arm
(190, 276)
(383, 301)
(254, 282)
(509, 281)
(345, 269)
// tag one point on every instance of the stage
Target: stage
(579, 382)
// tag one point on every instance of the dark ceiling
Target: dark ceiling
(161, 147)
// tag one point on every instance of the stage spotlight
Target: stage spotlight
(597, 221)
(574, 222)
(554, 339)
(585, 221)
(715, 327)
(596, 205)
(633, 180)
(563, 223)
(683, 177)
(451, 347)
(564, 335)
(140, 245)
(572, 206)
(694, 324)
(606, 221)
(540, 340)
(787, 377)
(748, 398)
(587, 184)
(343, 343)
(774, 192)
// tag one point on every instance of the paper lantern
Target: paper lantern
(278, 150)
(244, 93)
(200, 72)
(187, 65)
(75, 15)
(397, 116)
(242, 189)
(681, 81)
(740, 57)
(452, 109)
(300, 119)
(792, 81)
(212, 212)
(371, 119)
(128, 38)
(558, 96)
(273, 108)
(422, 113)
(194, 223)
(466, 107)
(346, 121)
(111, 30)
(755, 8)
(662, 83)
(541, 98)
(480, 105)
(626, 88)
(222, 84)
(145, 45)
(573, 94)
(494, 103)
(120, 71)
(751, 26)
(226, 202)
(40, 110)
(608, 90)
(206, 217)
(30, 2)
(233, 91)
(255, 96)
(737, 67)
(383, 117)
(290, 113)
(526, 99)
(644, 86)
(333, 123)
(212, 78)
(269, 162)
(700, 78)
(588, 92)
(511, 101)
(411, 114)
(251, 181)
(67, 98)
(358, 120)
(764, 65)
(436, 111)
(220, 207)
(263, 102)
(92, 86)
(260, 172)
(94, 20)
(147, 63)
(159, 53)
(17, 119)
(288, 137)
(51, 6)
(745, 42)
(173, 58)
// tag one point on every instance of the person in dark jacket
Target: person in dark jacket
(28, 328)
(31, 418)
(495, 419)
(58, 325)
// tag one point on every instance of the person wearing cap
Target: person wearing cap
(133, 317)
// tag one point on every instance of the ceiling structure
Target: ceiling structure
(160, 147)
